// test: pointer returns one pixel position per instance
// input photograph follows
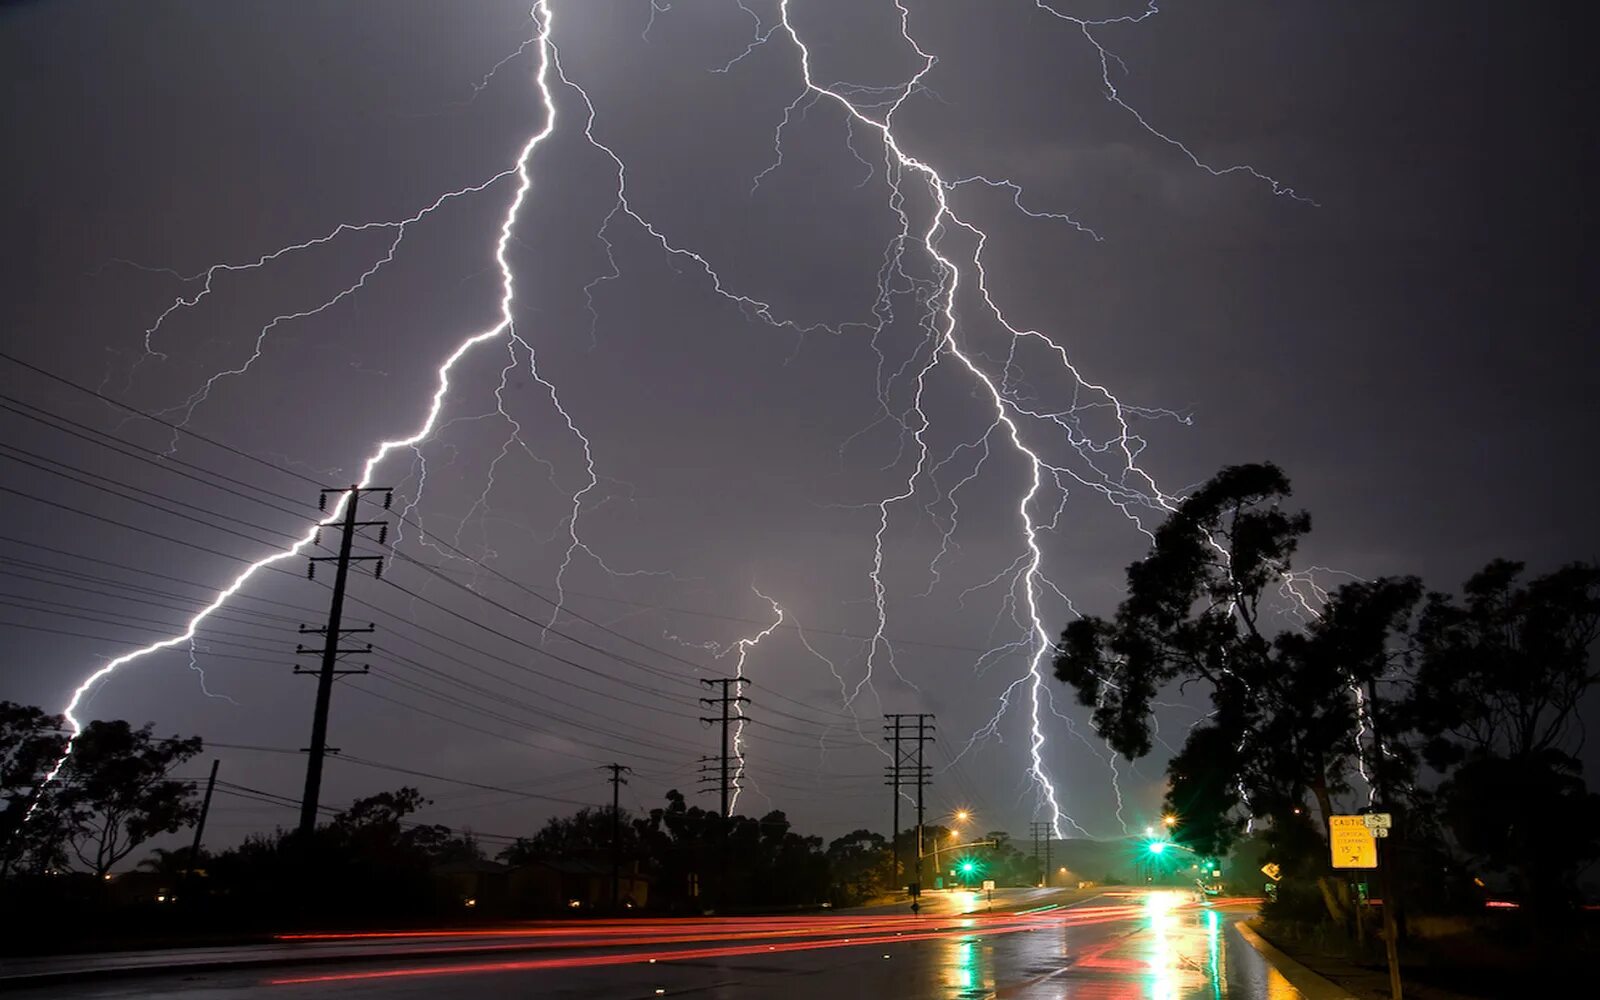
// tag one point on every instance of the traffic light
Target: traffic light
(1157, 846)
(968, 867)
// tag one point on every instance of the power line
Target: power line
(898, 640)
(130, 487)
(131, 527)
(152, 417)
(116, 624)
(160, 460)
(14, 540)
(125, 642)
(432, 570)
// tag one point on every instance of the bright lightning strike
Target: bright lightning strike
(743, 647)
(499, 329)
(1017, 425)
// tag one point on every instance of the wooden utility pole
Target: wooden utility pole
(727, 701)
(200, 824)
(331, 651)
(906, 766)
(617, 781)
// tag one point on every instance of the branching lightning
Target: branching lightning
(743, 647)
(936, 259)
(504, 326)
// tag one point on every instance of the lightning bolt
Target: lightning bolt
(503, 327)
(1107, 465)
(1127, 487)
(744, 646)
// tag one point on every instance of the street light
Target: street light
(962, 815)
(1170, 820)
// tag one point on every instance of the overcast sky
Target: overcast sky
(1408, 335)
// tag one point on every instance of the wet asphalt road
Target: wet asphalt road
(1158, 946)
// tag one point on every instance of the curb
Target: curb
(1310, 985)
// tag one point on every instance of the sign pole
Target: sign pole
(1391, 944)
(1381, 823)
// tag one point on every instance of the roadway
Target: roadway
(1031, 944)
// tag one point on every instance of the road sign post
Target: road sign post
(1352, 842)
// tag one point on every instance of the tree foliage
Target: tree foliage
(114, 794)
(31, 741)
(1502, 671)
(1497, 684)
(1284, 719)
(586, 832)
(859, 866)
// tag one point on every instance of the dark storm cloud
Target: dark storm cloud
(1414, 351)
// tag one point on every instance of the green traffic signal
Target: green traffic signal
(1156, 847)
(968, 867)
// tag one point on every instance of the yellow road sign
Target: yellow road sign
(1271, 870)
(1352, 842)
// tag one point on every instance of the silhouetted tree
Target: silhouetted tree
(1497, 685)
(175, 863)
(1285, 721)
(858, 864)
(585, 833)
(31, 741)
(114, 794)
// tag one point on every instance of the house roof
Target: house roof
(584, 866)
(471, 866)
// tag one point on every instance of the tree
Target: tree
(586, 832)
(31, 742)
(1285, 720)
(1192, 610)
(113, 793)
(1498, 681)
(1503, 672)
(375, 829)
(175, 864)
(858, 864)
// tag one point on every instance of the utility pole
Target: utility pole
(922, 782)
(731, 686)
(331, 651)
(1391, 901)
(1042, 831)
(905, 767)
(893, 775)
(725, 759)
(617, 781)
(200, 824)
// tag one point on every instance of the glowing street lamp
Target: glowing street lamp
(1169, 821)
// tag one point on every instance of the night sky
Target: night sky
(1408, 335)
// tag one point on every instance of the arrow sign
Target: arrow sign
(1352, 842)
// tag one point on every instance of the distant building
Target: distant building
(575, 884)
(474, 884)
